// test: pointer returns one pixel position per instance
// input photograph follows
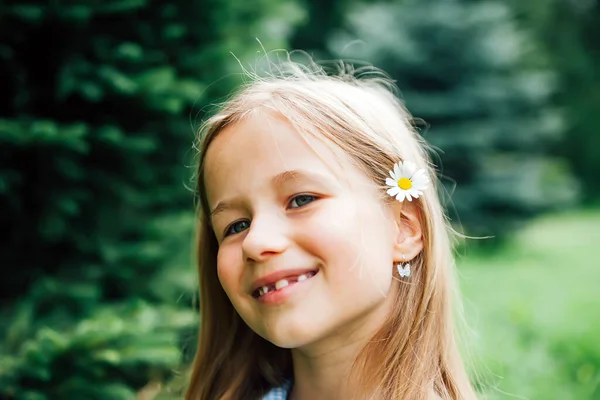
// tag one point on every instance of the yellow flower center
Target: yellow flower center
(404, 183)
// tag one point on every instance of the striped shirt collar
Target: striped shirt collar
(279, 393)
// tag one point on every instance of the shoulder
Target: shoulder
(278, 393)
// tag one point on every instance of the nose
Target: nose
(266, 238)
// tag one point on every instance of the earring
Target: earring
(403, 271)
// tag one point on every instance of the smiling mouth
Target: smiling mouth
(282, 283)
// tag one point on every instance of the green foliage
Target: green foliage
(567, 32)
(324, 16)
(117, 348)
(533, 306)
(459, 68)
(98, 107)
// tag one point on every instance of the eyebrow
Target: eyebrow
(285, 176)
(222, 206)
(278, 180)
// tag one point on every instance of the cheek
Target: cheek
(228, 269)
(354, 240)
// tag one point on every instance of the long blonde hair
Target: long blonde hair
(414, 355)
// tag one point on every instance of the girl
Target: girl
(325, 263)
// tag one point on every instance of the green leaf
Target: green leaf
(29, 12)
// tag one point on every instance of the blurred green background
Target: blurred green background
(99, 101)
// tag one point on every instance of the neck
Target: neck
(324, 376)
(322, 370)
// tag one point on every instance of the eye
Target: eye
(301, 200)
(237, 227)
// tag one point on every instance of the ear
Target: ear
(408, 233)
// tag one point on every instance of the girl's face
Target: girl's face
(305, 245)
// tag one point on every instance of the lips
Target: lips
(279, 280)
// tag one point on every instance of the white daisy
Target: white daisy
(406, 181)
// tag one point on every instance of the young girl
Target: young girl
(325, 263)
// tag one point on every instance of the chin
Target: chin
(290, 344)
(289, 338)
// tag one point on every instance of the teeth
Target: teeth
(281, 284)
(263, 290)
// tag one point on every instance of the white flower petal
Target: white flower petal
(393, 191)
(420, 180)
(400, 196)
(425, 180)
(414, 193)
(409, 169)
(420, 185)
(420, 174)
(397, 170)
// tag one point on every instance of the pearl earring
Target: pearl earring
(403, 271)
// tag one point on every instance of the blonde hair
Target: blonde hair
(414, 355)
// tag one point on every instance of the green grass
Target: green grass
(534, 309)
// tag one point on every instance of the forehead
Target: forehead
(255, 149)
